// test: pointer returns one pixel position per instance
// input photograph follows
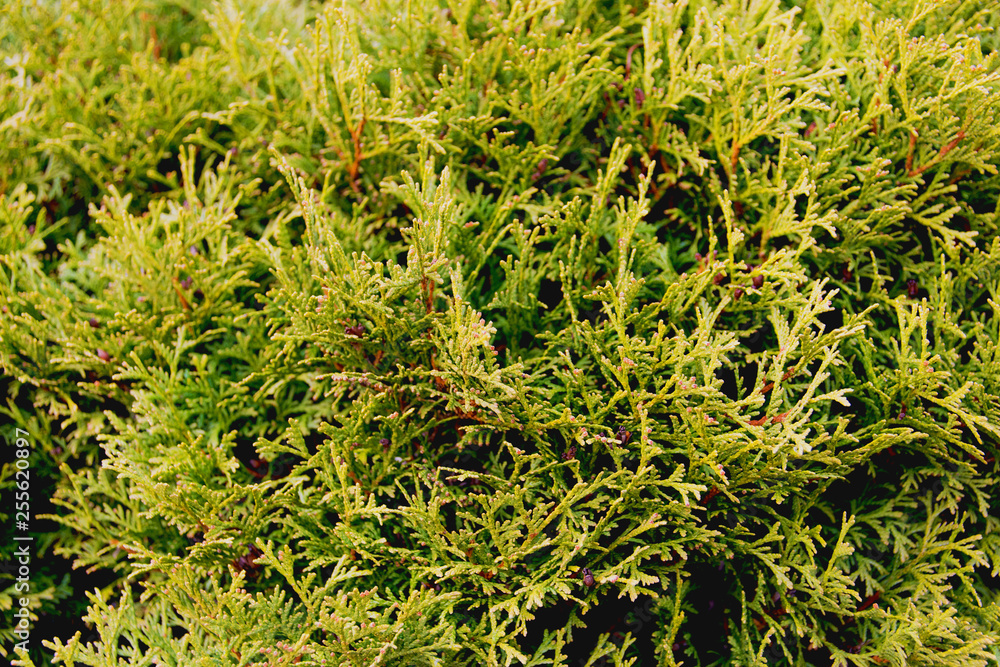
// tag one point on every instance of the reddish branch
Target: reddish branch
(713, 492)
(180, 294)
(628, 60)
(870, 600)
(427, 286)
(776, 419)
(770, 385)
(947, 148)
(146, 18)
(909, 154)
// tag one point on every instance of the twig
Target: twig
(628, 60)
(947, 148)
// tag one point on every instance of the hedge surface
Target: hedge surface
(431, 332)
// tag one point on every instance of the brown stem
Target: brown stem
(770, 385)
(947, 148)
(428, 289)
(628, 60)
(146, 18)
(180, 294)
(909, 153)
(713, 492)
(870, 600)
(959, 175)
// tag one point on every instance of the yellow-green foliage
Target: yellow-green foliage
(449, 332)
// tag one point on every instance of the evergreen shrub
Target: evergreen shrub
(448, 332)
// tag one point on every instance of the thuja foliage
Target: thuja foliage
(447, 332)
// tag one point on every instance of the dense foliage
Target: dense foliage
(444, 332)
